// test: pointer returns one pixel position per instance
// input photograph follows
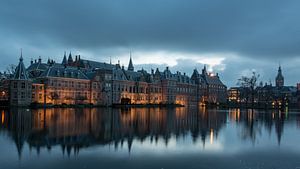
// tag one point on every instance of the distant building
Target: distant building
(79, 81)
(266, 95)
(279, 78)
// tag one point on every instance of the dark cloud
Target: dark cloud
(259, 30)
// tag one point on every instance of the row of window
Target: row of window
(69, 84)
(23, 85)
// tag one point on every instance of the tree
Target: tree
(10, 69)
(249, 84)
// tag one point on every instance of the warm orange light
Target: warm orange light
(2, 117)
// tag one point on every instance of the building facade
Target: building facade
(80, 81)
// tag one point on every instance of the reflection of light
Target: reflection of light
(3, 93)
(2, 116)
(211, 136)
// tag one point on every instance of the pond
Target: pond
(152, 138)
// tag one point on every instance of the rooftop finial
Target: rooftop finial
(21, 57)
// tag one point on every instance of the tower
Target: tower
(20, 86)
(130, 65)
(279, 78)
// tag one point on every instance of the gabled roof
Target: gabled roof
(119, 74)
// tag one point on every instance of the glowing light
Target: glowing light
(211, 136)
(2, 117)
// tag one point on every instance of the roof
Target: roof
(20, 73)
(212, 80)
(57, 70)
(96, 65)
(38, 66)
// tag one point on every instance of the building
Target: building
(266, 95)
(80, 81)
(20, 86)
(279, 78)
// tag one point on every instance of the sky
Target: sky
(232, 37)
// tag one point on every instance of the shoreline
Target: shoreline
(219, 106)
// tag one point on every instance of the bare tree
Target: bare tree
(250, 84)
(10, 69)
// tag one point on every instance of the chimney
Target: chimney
(40, 59)
(152, 71)
(34, 60)
(31, 62)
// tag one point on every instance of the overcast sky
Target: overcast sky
(232, 37)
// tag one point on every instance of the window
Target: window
(40, 96)
(15, 85)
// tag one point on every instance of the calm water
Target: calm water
(152, 138)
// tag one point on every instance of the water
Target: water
(154, 138)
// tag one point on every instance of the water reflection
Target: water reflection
(75, 129)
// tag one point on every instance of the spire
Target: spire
(70, 59)
(20, 73)
(64, 62)
(204, 70)
(21, 57)
(130, 65)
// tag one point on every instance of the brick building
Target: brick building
(79, 81)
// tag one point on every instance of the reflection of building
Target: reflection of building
(75, 129)
(82, 81)
(253, 120)
(78, 128)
